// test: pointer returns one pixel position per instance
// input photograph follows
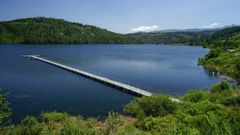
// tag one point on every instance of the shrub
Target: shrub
(195, 96)
(232, 101)
(220, 87)
(71, 127)
(155, 105)
(113, 121)
(160, 124)
(210, 123)
(54, 116)
(29, 126)
(234, 120)
(167, 125)
(134, 109)
(209, 118)
(200, 108)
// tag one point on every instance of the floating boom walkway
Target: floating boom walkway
(104, 80)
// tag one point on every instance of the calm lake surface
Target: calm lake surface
(34, 87)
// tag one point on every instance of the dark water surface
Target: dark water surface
(34, 86)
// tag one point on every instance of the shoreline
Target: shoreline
(216, 73)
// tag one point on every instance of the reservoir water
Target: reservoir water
(34, 87)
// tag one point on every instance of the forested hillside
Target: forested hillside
(224, 55)
(42, 30)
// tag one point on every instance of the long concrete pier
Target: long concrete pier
(104, 80)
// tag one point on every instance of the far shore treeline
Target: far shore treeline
(42, 30)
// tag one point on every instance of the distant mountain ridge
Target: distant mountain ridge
(186, 30)
(189, 29)
(41, 30)
(193, 36)
(190, 38)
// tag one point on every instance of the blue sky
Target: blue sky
(124, 16)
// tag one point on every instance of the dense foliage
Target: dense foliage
(200, 112)
(42, 30)
(157, 105)
(224, 55)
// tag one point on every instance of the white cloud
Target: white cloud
(213, 25)
(145, 28)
